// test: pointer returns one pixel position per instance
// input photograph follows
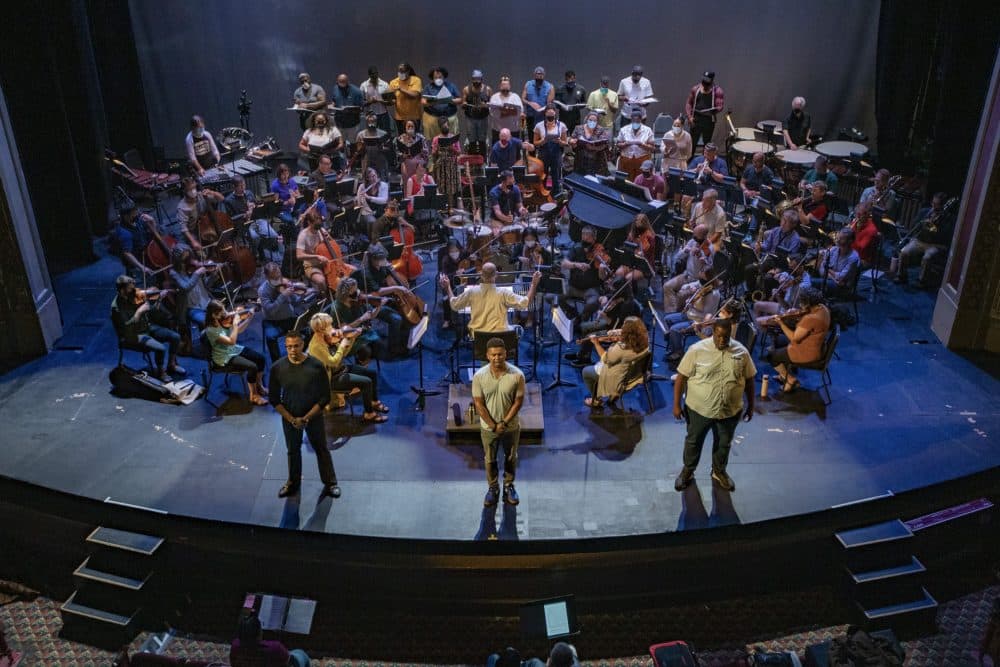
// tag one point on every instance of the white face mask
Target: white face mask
(636, 126)
(455, 254)
(529, 244)
(439, 82)
(678, 129)
(592, 124)
(191, 194)
(199, 132)
(411, 131)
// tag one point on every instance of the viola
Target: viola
(408, 265)
(609, 336)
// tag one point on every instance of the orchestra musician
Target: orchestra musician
(371, 199)
(506, 150)
(537, 95)
(605, 377)
(704, 102)
(820, 172)
(615, 308)
(411, 149)
(710, 213)
(376, 276)
(288, 193)
(389, 220)
(192, 296)
(550, 137)
(590, 143)
(476, 104)
(308, 96)
(633, 90)
(641, 233)
(311, 237)
(240, 202)
(653, 182)
(879, 193)
(321, 137)
(588, 268)
(449, 263)
(202, 153)
(812, 211)
(696, 254)
(786, 293)
(778, 243)
(709, 166)
(505, 201)
(373, 89)
(130, 311)
(865, 232)
(192, 206)
(802, 344)
(228, 353)
(128, 237)
(530, 253)
(445, 158)
(571, 93)
(676, 146)
(330, 347)
(605, 102)
(797, 128)
(352, 311)
(268, 244)
(934, 230)
(702, 302)
(756, 176)
(438, 110)
(414, 187)
(840, 267)
(374, 155)
(408, 89)
(506, 109)
(324, 172)
(488, 303)
(281, 302)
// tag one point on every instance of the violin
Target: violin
(336, 335)
(791, 313)
(598, 257)
(294, 287)
(150, 294)
(239, 315)
(609, 336)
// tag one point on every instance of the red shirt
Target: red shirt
(864, 240)
(655, 184)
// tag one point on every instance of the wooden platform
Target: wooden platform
(532, 419)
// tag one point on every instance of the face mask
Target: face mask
(411, 131)
(645, 174)
(529, 244)
(677, 129)
(587, 244)
(306, 86)
(372, 126)
(274, 283)
(570, 85)
(636, 78)
(539, 82)
(591, 124)
(454, 255)
(403, 75)
(439, 82)
(505, 91)
(551, 119)
(604, 90)
(191, 194)
(636, 126)
(380, 264)
(199, 132)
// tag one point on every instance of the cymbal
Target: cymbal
(458, 221)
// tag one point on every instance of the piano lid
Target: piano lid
(601, 205)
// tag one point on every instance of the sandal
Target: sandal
(790, 386)
(374, 418)
(381, 407)
(258, 400)
(594, 403)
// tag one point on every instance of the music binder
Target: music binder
(443, 95)
(569, 107)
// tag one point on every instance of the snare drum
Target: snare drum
(477, 237)
(841, 149)
(511, 234)
(547, 207)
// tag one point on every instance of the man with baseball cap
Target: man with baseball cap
(476, 104)
(537, 94)
(704, 102)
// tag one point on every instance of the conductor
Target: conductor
(488, 303)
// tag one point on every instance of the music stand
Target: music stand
(564, 326)
(658, 322)
(416, 340)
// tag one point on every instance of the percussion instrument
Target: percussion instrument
(477, 237)
(234, 138)
(457, 221)
(740, 151)
(217, 179)
(264, 150)
(778, 127)
(798, 157)
(841, 149)
(150, 181)
(511, 234)
(745, 134)
(548, 207)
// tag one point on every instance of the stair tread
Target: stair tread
(87, 572)
(73, 607)
(875, 534)
(125, 540)
(927, 602)
(913, 567)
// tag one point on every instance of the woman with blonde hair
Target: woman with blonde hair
(604, 378)
(329, 346)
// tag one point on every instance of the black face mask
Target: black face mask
(570, 85)
(551, 119)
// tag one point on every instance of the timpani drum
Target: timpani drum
(795, 163)
(745, 134)
(778, 127)
(841, 149)
(477, 237)
(742, 151)
(511, 234)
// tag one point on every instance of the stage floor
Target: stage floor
(906, 413)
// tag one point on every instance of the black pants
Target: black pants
(249, 360)
(698, 428)
(316, 430)
(366, 380)
(703, 127)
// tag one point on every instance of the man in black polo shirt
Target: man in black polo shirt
(798, 126)
(298, 390)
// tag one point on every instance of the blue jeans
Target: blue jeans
(677, 322)
(160, 341)
(394, 323)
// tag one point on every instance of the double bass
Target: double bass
(408, 265)
(537, 194)
(216, 231)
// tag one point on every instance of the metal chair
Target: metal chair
(135, 347)
(212, 369)
(823, 365)
(638, 374)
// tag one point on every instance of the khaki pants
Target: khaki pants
(917, 250)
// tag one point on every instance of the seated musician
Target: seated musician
(128, 237)
(879, 193)
(288, 192)
(281, 302)
(812, 211)
(506, 109)
(588, 268)
(709, 166)
(321, 138)
(240, 202)
(789, 283)
(710, 213)
(934, 230)
(838, 272)
(351, 310)
(415, 188)
(411, 148)
(505, 202)
(377, 276)
(615, 307)
(702, 299)
(324, 172)
(865, 233)
(488, 303)
(191, 207)
(653, 182)
(330, 346)
(756, 176)
(802, 344)
(228, 353)
(641, 233)
(530, 254)
(635, 138)
(390, 220)
(449, 261)
(202, 153)
(311, 239)
(820, 172)
(696, 255)
(590, 143)
(374, 154)
(772, 252)
(371, 199)
(797, 128)
(676, 146)
(550, 137)
(130, 317)
(604, 378)
(192, 296)
(505, 151)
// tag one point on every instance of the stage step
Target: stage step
(877, 546)
(84, 571)
(95, 626)
(912, 618)
(113, 538)
(875, 588)
(71, 606)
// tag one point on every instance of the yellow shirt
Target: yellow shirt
(599, 102)
(407, 108)
(320, 351)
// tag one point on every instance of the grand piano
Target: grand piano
(610, 204)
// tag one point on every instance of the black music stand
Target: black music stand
(657, 324)
(415, 340)
(564, 326)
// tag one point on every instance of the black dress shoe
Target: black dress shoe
(331, 490)
(683, 479)
(510, 495)
(492, 497)
(288, 489)
(723, 480)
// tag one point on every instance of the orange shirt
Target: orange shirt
(817, 323)
(407, 108)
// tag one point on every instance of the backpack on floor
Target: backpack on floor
(129, 383)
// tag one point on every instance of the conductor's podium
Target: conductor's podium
(532, 420)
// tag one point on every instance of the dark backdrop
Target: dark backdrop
(197, 56)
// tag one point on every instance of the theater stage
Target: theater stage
(906, 413)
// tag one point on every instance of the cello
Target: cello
(408, 265)
(335, 269)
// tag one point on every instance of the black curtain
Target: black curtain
(933, 68)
